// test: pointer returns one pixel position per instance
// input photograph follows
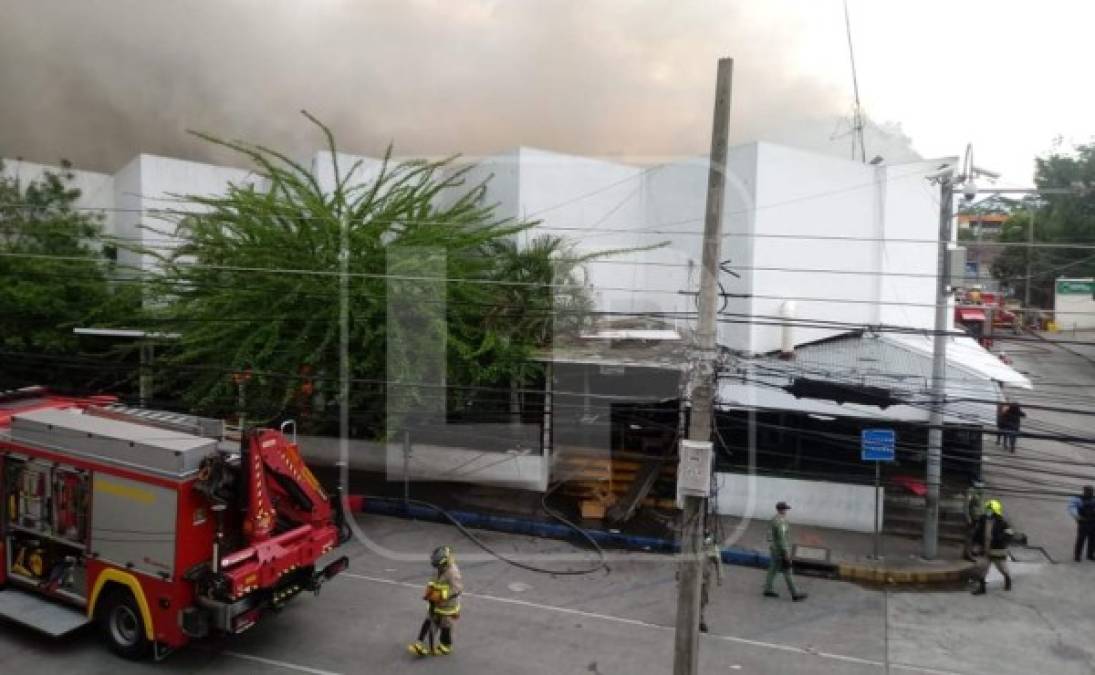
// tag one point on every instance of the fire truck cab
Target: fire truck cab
(152, 524)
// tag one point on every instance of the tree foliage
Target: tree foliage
(1058, 219)
(53, 278)
(255, 289)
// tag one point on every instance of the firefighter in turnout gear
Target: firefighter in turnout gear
(991, 544)
(442, 594)
(779, 551)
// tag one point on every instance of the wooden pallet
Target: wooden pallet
(600, 482)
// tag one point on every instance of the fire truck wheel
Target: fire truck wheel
(120, 621)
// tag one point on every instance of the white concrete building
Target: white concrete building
(822, 238)
(828, 242)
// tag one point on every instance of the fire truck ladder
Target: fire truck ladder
(192, 424)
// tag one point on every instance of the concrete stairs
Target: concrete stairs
(903, 516)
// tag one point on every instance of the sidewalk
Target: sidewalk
(850, 555)
(826, 552)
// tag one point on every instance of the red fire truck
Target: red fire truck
(152, 524)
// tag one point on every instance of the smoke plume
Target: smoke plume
(98, 81)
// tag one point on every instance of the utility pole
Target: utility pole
(939, 371)
(1030, 254)
(144, 380)
(686, 651)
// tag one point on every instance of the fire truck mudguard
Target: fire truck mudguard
(126, 580)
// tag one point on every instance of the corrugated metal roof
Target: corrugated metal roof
(869, 360)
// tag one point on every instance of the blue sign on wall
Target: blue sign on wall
(877, 445)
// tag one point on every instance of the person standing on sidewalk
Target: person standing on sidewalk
(712, 572)
(779, 552)
(975, 508)
(1082, 510)
(991, 539)
(1010, 423)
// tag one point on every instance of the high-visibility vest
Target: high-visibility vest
(440, 594)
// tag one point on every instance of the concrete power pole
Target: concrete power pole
(939, 373)
(686, 656)
(1030, 254)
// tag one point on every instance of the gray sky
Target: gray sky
(97, 81)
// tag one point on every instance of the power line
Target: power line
(480, 281)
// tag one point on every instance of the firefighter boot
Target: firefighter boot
(980, 590)
(418, 649)
(1007, 582)
(444, 647)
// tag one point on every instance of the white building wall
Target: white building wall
(815, 219)
(779, 200)
(127, 216)
(911, 213)
(96, 189)
(800, 227)
(501, 173)
(818, 503)
(150, 185)
(594, 203)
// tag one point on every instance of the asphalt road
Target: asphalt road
(514, 622)
(616, 622)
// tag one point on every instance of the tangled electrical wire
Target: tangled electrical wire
(600, 564)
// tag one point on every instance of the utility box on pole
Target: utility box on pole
(694, 470)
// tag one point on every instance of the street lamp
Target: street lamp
(145, 338)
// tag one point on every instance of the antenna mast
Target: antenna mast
(857, 115)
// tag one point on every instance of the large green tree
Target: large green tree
(54, 277)
(1063, 225)
(255, 290)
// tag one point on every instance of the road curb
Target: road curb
(731, 555)
(943, 573)
(916, 576)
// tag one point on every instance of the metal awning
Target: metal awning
(971, 315)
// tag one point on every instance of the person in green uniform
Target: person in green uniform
(779, 552)
(712, 573)
(975, 508)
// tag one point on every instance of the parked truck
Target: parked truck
(151, 524)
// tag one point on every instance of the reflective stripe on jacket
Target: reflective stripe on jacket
(451, 585)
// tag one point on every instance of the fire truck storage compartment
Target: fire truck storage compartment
(46, 508)
(133, 524)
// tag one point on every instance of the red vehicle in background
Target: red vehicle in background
(984, 314)
(151, 524)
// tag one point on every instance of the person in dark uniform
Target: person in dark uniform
(1010, 423)
(1082, 510)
